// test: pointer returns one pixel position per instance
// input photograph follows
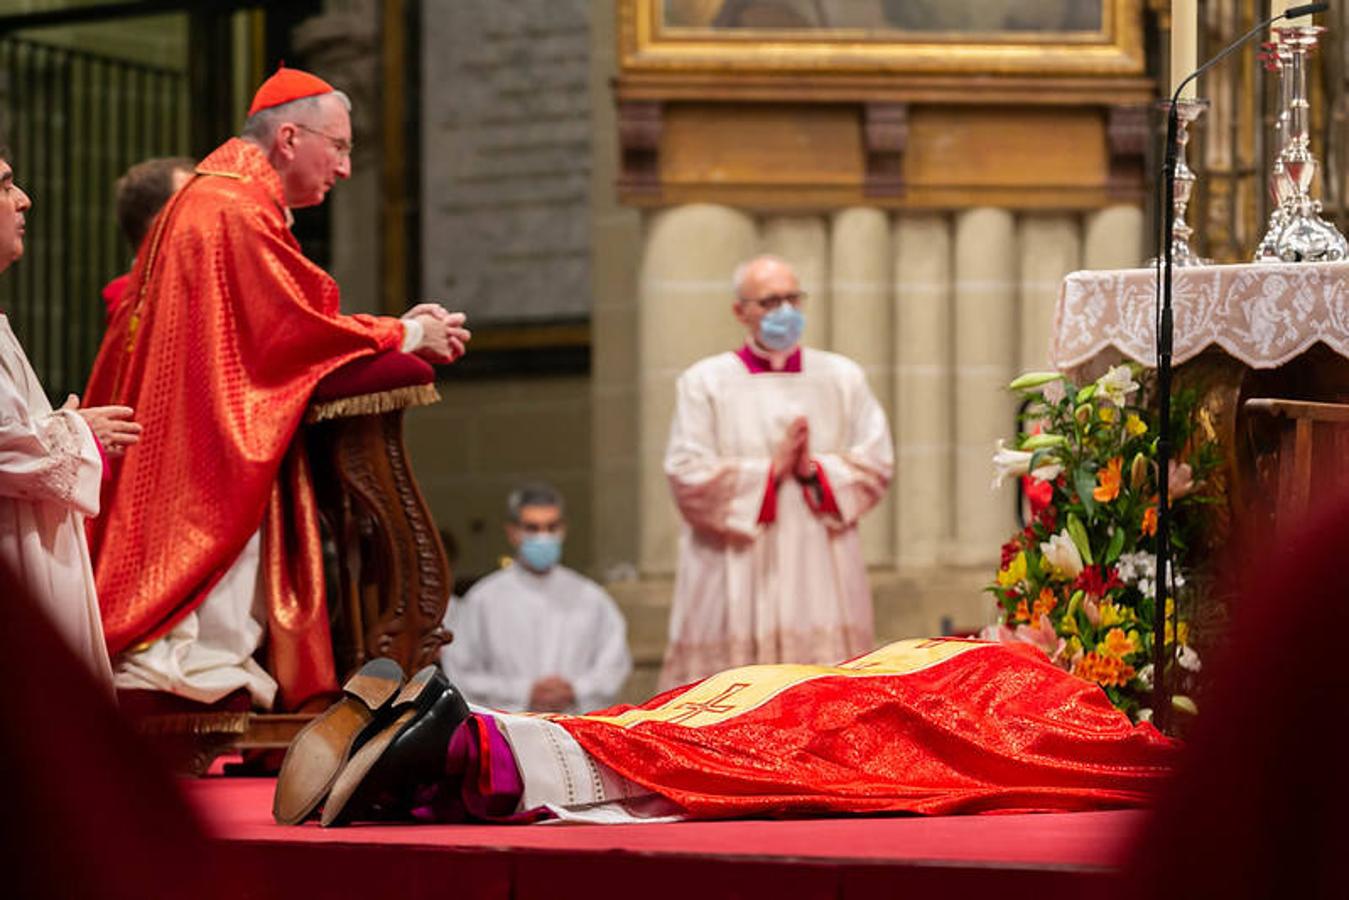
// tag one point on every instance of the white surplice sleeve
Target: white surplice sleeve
(47, 457)
(714, 493)
(610, 663)
(859, 475)
(467, 659)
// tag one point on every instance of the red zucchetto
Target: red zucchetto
(286, 85)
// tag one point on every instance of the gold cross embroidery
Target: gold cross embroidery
(713, 706)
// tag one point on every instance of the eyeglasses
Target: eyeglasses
(773, 301)
(341, 145)
(553, 527)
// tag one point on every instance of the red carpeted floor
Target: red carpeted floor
(1041, 856)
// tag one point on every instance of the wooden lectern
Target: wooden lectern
(388, 578)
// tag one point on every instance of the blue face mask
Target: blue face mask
(781, 328)
(540, 552)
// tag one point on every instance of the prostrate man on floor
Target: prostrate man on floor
(209, 541)
(51, 468)
(775, 453)
(537, 635)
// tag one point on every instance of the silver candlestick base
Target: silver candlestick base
(1296, 231)
(1187, 111)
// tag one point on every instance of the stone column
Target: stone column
(859, 292)
(924, 487)
(342, 46)
(803, 241)
(1051, 247)
(986, 349)
(684, 314)
(1113, 239)
(615, 249)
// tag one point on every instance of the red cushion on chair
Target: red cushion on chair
(373, 374)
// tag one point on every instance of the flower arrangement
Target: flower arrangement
(1079, 581)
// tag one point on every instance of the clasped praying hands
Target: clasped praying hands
(792, 456)
(444, 337)
(113, 426)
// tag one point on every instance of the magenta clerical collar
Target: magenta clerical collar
(759, 362)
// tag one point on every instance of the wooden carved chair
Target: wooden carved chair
(388, 577)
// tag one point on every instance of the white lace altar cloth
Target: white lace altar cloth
(1262, 314)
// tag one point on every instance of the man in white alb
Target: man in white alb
(537, 635)
(51, 469)
(776, 451)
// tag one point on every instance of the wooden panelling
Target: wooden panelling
(762, 146)
(807, 156)
(1005, 147)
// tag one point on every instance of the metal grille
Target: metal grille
(75, 121)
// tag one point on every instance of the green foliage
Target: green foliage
(1078, 581)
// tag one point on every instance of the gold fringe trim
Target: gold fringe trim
(374, 404)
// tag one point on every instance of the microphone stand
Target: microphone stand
(1161, 698)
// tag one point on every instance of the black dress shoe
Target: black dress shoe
(323, 746)
(406, 754)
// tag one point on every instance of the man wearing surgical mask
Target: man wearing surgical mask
(537, 636)
(776, 451)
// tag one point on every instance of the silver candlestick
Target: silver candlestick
(1187, 111)
(1296, 232)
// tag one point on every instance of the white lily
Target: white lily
(1188, 659)
(1061, 554)
(1116, 385)
(1009, 463)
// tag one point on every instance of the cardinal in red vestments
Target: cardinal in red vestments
(209, 539)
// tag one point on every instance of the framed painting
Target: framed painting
(1002, 37)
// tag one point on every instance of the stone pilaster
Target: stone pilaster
(1051, 247)
(860, 281)
(685, 298)
(1113, 239)
(342, 46)
(986, 350)
(924, 487)
(615, 249)
(803, 241)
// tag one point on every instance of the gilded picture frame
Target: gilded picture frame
(870, 37)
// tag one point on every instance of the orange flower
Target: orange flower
(1107, 671)
(1045, 603)
(1022, 614)
(1117, 643)
(1108, 481)
(1149, 526)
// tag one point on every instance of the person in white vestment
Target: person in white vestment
(536, 635)
(776, 451)
(51, 471)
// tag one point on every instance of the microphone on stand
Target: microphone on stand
(1161, 698)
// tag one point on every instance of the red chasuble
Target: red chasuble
(920, 726)
(223, 333)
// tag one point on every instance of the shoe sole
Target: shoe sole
(349, 780)
(321, 748)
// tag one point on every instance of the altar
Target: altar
(1265, 344)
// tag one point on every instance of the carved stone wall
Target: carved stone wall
(506, 158)
(342, 46)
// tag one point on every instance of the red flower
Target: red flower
(1038, 493)
(1093, 583)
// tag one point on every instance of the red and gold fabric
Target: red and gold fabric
(922, 726)
(223, 334)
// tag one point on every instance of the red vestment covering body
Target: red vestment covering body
(223, 333)
(922, 726)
